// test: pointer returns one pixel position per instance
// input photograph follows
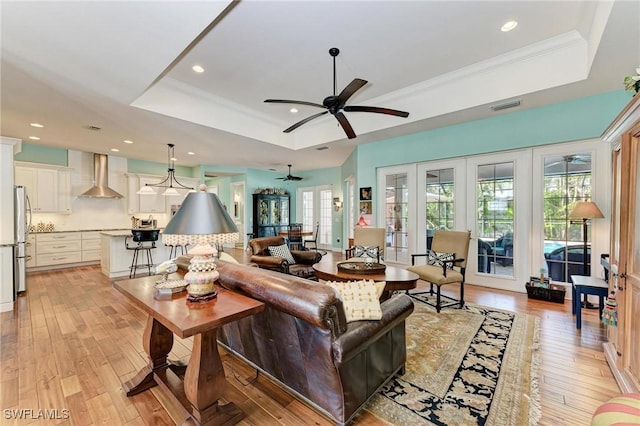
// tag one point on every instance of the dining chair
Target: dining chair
(295, 236)
(313, 240)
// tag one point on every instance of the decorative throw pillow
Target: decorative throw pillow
(283, 252)
(359, 299)
(365, 251)
(438, 259)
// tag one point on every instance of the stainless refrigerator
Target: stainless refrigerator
(22, 224)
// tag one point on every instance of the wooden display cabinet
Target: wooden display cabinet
(270, 214)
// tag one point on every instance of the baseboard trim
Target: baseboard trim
(623, 378)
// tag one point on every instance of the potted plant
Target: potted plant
(632, 82)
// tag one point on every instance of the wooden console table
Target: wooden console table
(194, 399)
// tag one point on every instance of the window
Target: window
(439, 197)
(495, 221)
(567, 180)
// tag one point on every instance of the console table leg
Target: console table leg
(157, 341)
(204, 383)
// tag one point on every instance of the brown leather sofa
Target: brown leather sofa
(304, 259)
(302, 340)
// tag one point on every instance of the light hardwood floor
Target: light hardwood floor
(73, 340)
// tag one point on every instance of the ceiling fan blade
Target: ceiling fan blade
(306, 120)
(284, 101)
(352, 88)
(345, 125)
(378, 110)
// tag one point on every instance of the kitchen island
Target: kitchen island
(115, 259)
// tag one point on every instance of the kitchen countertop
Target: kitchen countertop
(76, 230)
(122, 232)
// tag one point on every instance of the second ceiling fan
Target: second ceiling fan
(336, 104)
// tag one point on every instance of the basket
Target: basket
(553, 293)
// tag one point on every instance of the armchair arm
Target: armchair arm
(270, 262)
(360, 334)
(413, 257)
(306, 257)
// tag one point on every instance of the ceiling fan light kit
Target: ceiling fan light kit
(336, 105)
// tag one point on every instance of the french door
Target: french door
(396, 211)
(315, 206)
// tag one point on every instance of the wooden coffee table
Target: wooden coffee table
(194, 399)
(396, 278)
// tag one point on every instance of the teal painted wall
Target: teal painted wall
(43, 155)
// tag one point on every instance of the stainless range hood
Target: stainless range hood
(101, 180)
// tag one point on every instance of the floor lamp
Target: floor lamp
(585, 211)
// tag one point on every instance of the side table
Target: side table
(586, 285)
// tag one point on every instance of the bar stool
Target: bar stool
(142, 240)
(173, 251)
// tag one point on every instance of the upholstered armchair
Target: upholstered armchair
(446, 264)
(303, 260)
(365, 239)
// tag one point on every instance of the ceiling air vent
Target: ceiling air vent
(506, 105)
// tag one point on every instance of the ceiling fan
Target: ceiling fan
(336, 104)
(572, 159)
(290, 176)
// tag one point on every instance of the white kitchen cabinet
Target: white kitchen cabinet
(90, 246)
(58, 248)
(137, 203)
(30, 251)
(115, 259)
(64, 191)
(48, 188)
(152, 203)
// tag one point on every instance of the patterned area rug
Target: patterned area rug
(470, 366)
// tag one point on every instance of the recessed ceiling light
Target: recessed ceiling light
(34, 138)
(127, 141)
(198, 69)
(191, 153)
(508, 26)
(36, 125)
(293, 110)
(115, 150)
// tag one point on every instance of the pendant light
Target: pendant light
(170, 183)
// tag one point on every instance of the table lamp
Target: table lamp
(203, 222)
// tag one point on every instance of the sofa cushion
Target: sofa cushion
(283, 252)
(360, 299)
